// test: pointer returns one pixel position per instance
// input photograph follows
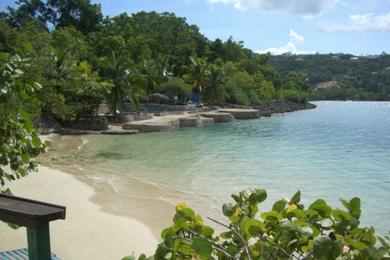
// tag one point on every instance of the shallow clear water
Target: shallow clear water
(339, 150)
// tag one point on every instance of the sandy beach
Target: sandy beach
(87, 232)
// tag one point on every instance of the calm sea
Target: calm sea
(339, 150)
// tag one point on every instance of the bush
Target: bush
(293, 95)
(176, 87)
(288, 231)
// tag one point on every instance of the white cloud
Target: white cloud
(289, 47)
(296, 36)
(305, 8)
(368, 22)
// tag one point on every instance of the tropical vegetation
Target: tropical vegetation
(288, 230)
(82, 59)
(352, 77)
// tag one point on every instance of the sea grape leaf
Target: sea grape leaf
(227, 209)
(258, 196)
(279, 206)
(321, 207)
(296, 198)
(325, 248)
(355, 210)
(271, 215)
(251, 227)
(202, 246)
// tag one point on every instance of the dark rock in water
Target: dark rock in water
(277, 107)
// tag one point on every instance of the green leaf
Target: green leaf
(129, 258)
(325, 248)
(321, 207)
(36, 141)
(258, 196)
(296, 198)
(271, 215)
(226, 235)
(251, 227)
(236, 198)
(202, 246)
(279, 205)
(355, 210)
(341, 214)
(227, 209)
(207, 232)
(4, 56)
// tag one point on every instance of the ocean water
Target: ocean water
(339, 150)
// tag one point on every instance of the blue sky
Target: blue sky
(298, 26)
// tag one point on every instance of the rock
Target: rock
(206, 120)
(239, 113)
(119, 132)
(93, 123)
(142, 116)
(192, 121)
(219, 117)
(149, 127)
(119, 118)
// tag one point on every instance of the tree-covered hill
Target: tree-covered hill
(81, 59)
(358, 77)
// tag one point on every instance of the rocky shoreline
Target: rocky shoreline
(169, 120)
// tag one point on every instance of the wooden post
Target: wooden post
(35, 216)
(39, 242)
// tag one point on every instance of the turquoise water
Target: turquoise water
(339, 150)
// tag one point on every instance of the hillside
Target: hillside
(359, 77)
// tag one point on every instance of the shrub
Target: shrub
(293, 95)
(176, 87)
(287, 231)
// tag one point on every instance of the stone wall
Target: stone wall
(94, 123)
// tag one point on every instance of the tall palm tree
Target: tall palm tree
(120, 71)
(150, 76)
(197, 75)
(214, 91)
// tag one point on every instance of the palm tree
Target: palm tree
(197, 75)
(120, 71)
(214, 91)
(150, 76)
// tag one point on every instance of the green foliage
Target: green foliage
(287, 231)
(296, 80)
(84, 90)
(293, 95)
(128, 58)
(58, 13)
(19, 141)
(176, 87)
(343, 93)
(214, 91)
(198, 74)
(360, 78)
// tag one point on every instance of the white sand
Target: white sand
(87, 232)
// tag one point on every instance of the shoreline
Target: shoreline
(183, 117)
(103, 205)
(118, 194)
(87, 223)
